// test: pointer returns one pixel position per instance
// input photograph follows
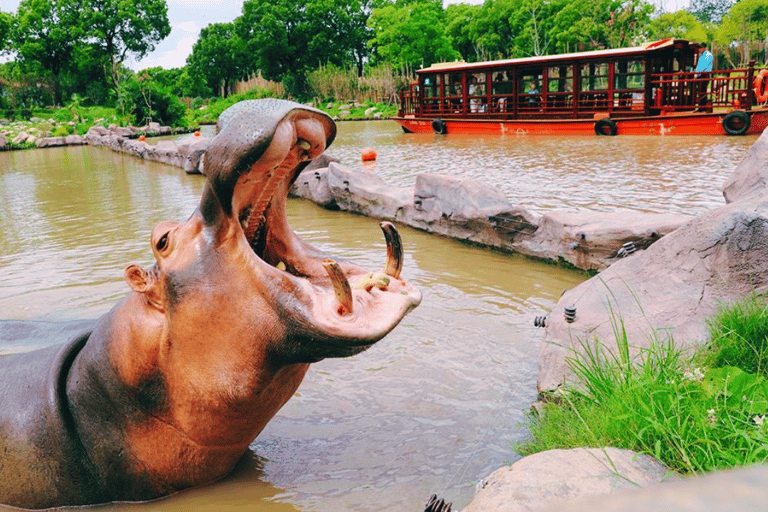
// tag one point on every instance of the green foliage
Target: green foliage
(691, 419)
(218, 58)
(746, 21)
(148, 101)
(411, 34)
(45, 37)
(213, 110)
(120, 28)
(286, 38)
(739, 336)
(680, 24)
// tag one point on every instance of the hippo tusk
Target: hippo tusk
(394, 250)
(340, 286)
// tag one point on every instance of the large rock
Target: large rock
(192, 153)
(751, 175)
(557, 476)
(476, 212)
(744, 489)
(365, 193)
(591, 240)
(670, 289)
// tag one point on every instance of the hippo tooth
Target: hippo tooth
(340, 285)
(394, 250)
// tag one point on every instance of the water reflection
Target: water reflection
(434, 406)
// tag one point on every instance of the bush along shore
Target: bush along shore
(73, 122)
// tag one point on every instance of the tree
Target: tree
(219, 58)
(287, 38)
(46, 35)
(591, 25)
(5, 31)
(710, 11)
(680, 24)
(121, 28)
(745, 23)
(459, 22)
(411, 34)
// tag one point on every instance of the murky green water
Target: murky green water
(433, 407)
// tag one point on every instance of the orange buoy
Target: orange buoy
(197, 134)
(141, 137)
(368, 155)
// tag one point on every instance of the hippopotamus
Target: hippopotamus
(169, 388)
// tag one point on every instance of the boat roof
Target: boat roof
(550, 59)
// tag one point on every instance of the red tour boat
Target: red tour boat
(646, 90)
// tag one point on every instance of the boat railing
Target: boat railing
(669, 92)
(730, 89)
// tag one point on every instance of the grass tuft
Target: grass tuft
(693, 418)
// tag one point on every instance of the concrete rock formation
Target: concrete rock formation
(672, 287)
(556, 476)
(476, 212)
(187, 155)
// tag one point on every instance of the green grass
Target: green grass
(739, 337)
(666, 403)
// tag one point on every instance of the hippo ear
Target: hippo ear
(145, 283)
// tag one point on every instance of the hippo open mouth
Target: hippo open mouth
(258, 153)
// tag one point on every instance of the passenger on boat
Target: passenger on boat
(703, 65)
(502, 85)
(475, 90)
(533, 93)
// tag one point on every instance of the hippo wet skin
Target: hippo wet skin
(172, 385)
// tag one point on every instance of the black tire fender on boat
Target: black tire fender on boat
(736, 123)
(605, 126)
(438, 125)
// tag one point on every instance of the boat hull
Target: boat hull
(689, 123)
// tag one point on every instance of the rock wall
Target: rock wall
(188, 156)
(673, 286)
(476, 212)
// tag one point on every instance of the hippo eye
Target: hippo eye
(163, 242)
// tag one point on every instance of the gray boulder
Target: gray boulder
(592, 240)
(365, 193)
(670, 289)
(557, 476)
(744, 489)
(751, 175)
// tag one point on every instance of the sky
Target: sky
(188, 17)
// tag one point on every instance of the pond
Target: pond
(436, 405)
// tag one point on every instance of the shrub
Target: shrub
(149, 101)
(739, 336)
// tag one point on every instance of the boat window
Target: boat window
(432, 86)
(594, 76)
(502, 82)
(629, 74)
(453, 84)
(476, 92)
(560, 79)
(530, 83)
